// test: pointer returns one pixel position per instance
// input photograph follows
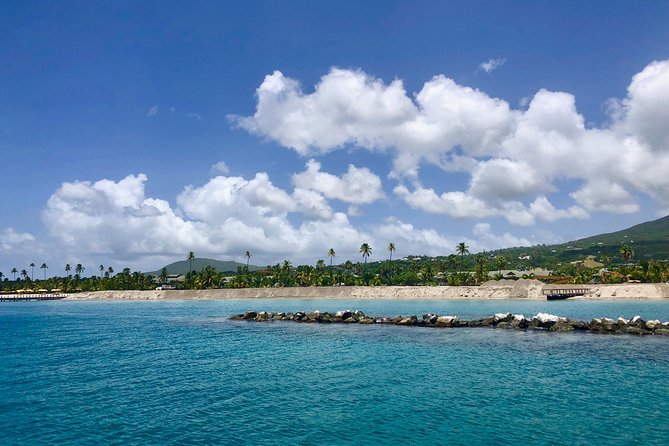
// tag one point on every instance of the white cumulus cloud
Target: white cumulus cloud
(513, 157)
(11, 240)
(356, 186)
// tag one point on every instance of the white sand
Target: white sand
(521, 289)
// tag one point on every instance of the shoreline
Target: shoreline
(528, 289)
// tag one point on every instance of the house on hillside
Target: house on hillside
(171, 278)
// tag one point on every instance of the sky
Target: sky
(134, 132)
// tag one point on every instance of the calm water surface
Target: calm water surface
(180, 372)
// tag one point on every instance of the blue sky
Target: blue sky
(418, 123)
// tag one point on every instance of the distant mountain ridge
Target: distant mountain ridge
(224, 266)
(649, 240)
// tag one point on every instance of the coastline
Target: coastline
(527, 289)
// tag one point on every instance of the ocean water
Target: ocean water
(182, 373)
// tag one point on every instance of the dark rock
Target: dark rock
(545, 320)
(652, 325)
(249, 315)
(430, 318)
(519, 321)
(488, 321)
(411, 320)
(662, 331)
(446, 321)
(344, 314)
(263, 316)
(579, 325)
(636, 321)
(562, 326)
(632, 329)
(599, 325)
(504, 325)
(502, 317)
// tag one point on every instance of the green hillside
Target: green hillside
(649, 240)
(182, 266)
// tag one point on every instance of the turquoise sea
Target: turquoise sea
(181, 373)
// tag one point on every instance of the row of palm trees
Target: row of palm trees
(285, 274)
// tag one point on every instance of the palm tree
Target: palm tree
(24, 274)
(331, 254)
(190, 257)
(68, 268)
(481, 268)
(391, 249)
(248, 259)
(32, 271)
(102, 270)
(366, 251)
(463, 250)
(163, 275)
(44, 267)
(79, 269)
(14, 271)
(501, 262)
(626, 253)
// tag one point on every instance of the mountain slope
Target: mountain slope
(182, 266)
(649, 240)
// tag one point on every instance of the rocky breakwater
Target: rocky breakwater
(541, 321)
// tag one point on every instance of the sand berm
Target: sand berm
(520, 289)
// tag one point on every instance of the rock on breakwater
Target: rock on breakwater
(541, 321)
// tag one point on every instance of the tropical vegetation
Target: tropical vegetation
(624, 256)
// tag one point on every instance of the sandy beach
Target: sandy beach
(521, 289)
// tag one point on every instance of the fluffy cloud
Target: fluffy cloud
(645, 111)
(513, 157)
(453, 204)
(486, 239)
(221, 167)
(115, 218)
(602, 195)
(356, 186)
(11, 240)
(226, 216)
(492, 64)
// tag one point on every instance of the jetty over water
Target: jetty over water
(35, 296)
(564, 293)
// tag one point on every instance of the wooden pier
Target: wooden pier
(564, 293)
(31, 297)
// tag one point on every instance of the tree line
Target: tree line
(460, 268)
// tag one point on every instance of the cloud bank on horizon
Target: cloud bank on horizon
(513, 158)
